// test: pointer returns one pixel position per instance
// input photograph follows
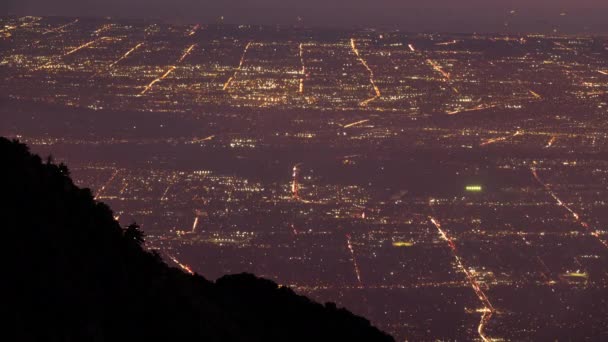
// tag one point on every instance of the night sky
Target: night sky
(574, 16)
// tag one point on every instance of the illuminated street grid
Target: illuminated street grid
(447, 187)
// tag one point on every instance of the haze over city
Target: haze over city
(436, 170)
(585, 16)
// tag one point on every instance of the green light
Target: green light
(473, 188)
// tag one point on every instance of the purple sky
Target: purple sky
(415, 15)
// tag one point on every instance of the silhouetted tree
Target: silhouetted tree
(133, 233)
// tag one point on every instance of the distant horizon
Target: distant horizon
(466, 16)
(516, 26)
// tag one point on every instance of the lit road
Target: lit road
(438, 68)
(446, 76)
(575, 215)
(186, 53)
(354, 260)
(474, 109)
(546, 272)
(133, 49)
(294, 230)
(204, 139)
(194, 29)
(452, 42)
(355, 123)
(124, 187)
(102, 189)
(295, 187)
(294, 183)
(551, 141)
(164, 196)
(499, 139)
(195, 224)
(564, 47)
(238, 68)
(377, 95)
(487, 310)
(303, 71)
(158, 79)
(491, 105)
(7, 29)
(182, 266)
(172, 68)
(61, 27)
(535, 94)
(76, 49)
(121, 58)
(102, 29)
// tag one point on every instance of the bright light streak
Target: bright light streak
(551, 141)
(488, 309)
(7, 28)
(151, 84)
(476, 108)
(227, 84)
(164, 196)
(577, 275)
(303, 71)
(564, 46)
(103, 28)
(295, 187)
(603, 72)
(186, 53)
(87, 45)
(411, 47)
(495, 140)
(126, 55)
(101, 190)
(194, 29)
(352, 254)
(355, 123)
(204, 139)
(293, 229)
(452, 42)
(490, 105)
(438, 68)
(124, 187)
(474, 188)
(61, 27)
(547, 271)
(78, 48)
(535, 94)
(575, 215)
(182, 266)
(195, 224)
(294, 183)
(169, 71)
(402, 244)
(377, 95)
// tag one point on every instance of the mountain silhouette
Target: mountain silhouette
(70, 272)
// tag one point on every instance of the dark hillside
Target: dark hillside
(72, 273)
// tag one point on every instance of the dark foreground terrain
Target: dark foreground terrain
(72, 273)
